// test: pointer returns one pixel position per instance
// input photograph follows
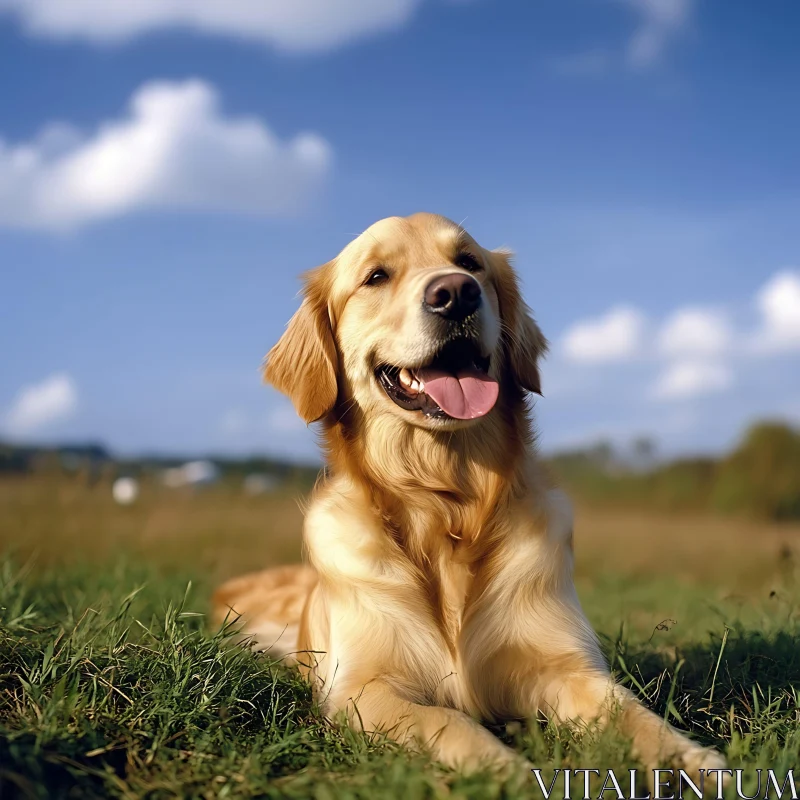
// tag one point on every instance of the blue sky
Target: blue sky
(168, 169)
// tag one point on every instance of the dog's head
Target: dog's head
(412, 319)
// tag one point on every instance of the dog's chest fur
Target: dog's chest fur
(448, 580)
(425, 575)
(446, 569)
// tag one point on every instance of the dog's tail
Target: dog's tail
(265, 608)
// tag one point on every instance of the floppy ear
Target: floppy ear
(304, 364)
(524, 341)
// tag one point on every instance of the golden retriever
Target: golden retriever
(439, 589)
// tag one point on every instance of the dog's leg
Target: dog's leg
(451, 736)
(572, 685)
(594, 697)
(530, 649)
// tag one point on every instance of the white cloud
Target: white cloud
(54, 399)
(657, 23)
(660, 20)
(695, 331)
(174, 150)
(779, 304)
(294, 25)
(698, 350)
(616, 336)
(691, 378)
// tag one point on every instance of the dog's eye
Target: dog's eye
(468, 262)
(377, 277)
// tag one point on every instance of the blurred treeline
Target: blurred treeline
(760, 478)
(95, 463)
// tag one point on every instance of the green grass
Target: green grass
(112, 685)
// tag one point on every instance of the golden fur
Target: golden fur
(439, 590)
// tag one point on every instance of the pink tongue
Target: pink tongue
(466, 395)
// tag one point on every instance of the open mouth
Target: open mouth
(455, 384)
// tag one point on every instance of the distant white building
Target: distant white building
(192, 473)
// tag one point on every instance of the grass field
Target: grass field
(112, 683)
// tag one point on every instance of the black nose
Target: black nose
(454, 296)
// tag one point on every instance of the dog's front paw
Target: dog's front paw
(696, 761)
(704, 758)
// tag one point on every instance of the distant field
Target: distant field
(210, 533)
(108, 693)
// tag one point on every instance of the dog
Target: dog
(439, 586)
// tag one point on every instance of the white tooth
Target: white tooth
(405, 377)
(416, 386)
